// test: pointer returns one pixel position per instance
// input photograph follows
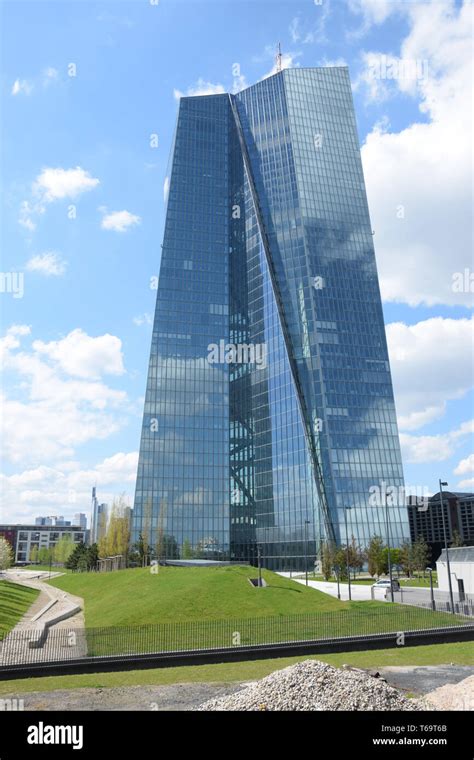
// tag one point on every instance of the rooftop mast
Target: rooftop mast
(278, 58)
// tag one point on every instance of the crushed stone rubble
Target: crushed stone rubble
(316, 686)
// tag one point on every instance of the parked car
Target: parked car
(383, 583)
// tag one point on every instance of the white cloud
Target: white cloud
(143, 319)
(119, 221)
(48, 263)
(287, 62)
(311, 28)
(21, 87)
(468, 484)
(419, 179)
(431, 364)
(11, 339)
(56, 184)
(375, 11)
(421, 449)
(52, 185)
(57, 401)
(65, 488)
(81, 355)
(465, 466)
(200, 88)
(294, 29)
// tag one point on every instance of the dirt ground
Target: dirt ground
(185, 696)
(449, 687)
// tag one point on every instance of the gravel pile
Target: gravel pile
(452, 696)
(313, 685)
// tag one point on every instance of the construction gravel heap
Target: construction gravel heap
(314, 685)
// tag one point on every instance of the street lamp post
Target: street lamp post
(388, 548)
(448, 567)
(306, 523)
(347, 553)
(259, 559)
(338, 587)
(433, 605)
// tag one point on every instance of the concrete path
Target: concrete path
(358, 592)
(62, 614)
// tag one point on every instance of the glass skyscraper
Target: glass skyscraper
(269, 414)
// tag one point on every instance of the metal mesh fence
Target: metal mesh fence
(24, 646)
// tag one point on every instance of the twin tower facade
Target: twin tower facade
(269, 421)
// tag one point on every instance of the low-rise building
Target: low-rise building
(461, 564)
(24, 538)
(426, 519)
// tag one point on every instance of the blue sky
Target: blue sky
(84, 87)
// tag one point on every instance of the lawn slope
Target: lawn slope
(15, 600)
(178, 594)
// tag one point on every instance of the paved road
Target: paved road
(358, 592)
(414, 595)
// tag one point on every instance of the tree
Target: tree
(394, 558)
(83, 558)
(92, 556)
(407, 558)
(356, 556)
(327, 560)
(340, 562)
(421, 554)
(375, 556)
(187, 550)
(34, 555)
(63, 549)
(6, 554)
(116, 540)
(45, 556)
(456, 539)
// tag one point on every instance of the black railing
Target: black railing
(25, 646)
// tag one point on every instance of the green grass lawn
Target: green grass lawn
(184, 594)
(132, 611)
(438, 654)
(14, 602)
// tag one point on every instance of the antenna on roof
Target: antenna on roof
(278, 58)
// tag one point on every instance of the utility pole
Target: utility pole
(448, 567)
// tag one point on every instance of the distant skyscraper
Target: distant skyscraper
(269, 406)
(80, 519)
(98, 518)
(52, 520)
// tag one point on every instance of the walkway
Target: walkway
(16, 647)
